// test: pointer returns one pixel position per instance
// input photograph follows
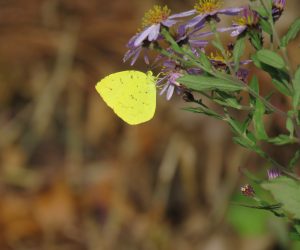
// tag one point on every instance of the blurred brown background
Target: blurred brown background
(73, 176)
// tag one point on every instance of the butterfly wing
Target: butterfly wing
(131, 94)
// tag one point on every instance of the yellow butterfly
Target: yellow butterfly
(131, 94)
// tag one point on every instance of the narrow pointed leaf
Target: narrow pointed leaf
(291, 34)
(205, 111)
(238, 51)
(205, 62)
(266, 26)
(271, 58)
(296, 83)
(203, 83)
(280, 78)
(259, 112)
(282, 140)
(295, 159)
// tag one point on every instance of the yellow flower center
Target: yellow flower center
(220, 57)
(155, 15)
(249, 19)
(207, 6)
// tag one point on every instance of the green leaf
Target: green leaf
(255, 87)
(203, 83)
(266, 26)
(205, 62)
(280, 78)
(260, 10)
(238, 51)
(282, 140)
(171, 40)
(247, 122)
(258, 114)
(286, 191)
(205, 111)
(247, 221)
(291, 34)
(243, 138)
(227, 100)
(296, 85)
(256, 39)
(271, 58)
(258, 121)
(290, 126)
(295, 159)
(236, 126)
(280, 86)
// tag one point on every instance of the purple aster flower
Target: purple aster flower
(277, 8)
(218, 62)
(248, 190)
(134, 51)
(242, 74)
(171, 72)
(152, 22)
(273, 173)
(205, 9)
(193, 39)
(249, 19)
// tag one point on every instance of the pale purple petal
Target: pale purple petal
(226, 29)
(169, 64)
(154, 32)
(183, 14)
(127, 55)
(142, 36)
(161, 80)
(198, 43)
(245, 62)
(130, 53)
(132, 40)
(146, 58)
(230, 11)
(168, 22)
(170, 91)
(137, 53)
(195, 71)
(181, 30)
(238, 31)
(204, 34)
(196, 20)
(164, 89)
(273, 173)
(199, 27)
